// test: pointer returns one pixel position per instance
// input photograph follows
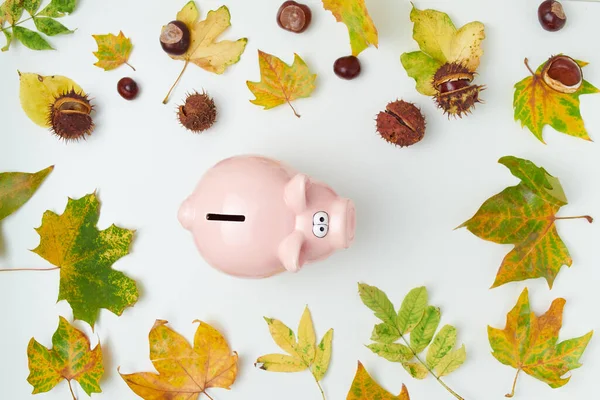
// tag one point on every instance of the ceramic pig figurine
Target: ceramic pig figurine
(254, 217)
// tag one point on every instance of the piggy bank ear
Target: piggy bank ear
(290, 251)
(295, 192)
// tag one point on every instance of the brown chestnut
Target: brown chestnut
(562, 74)
(552, 15)
(451, 86)
(294, 17)
(175, 38)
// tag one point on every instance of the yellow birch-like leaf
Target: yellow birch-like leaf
(70, 358)
(39, 92)
(307, 340)
(364, 387)
(184, 372)
(280, 363)
(530, 343)
(354, 14)
(536, 105)
(281, 83)
(113, 51)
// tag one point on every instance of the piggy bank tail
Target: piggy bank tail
(187, 214)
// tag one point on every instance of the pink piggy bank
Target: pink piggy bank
(254, 217)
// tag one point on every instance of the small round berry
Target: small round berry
(347, 67)
(128, 88)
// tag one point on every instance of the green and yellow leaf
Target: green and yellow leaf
(416, 370)
(365, 388)
(379, 303)
(307, 340)
(39, 92)
(85, 255)
(421, 68)
(280, 363)
(70, 358)
(113, 51)
(530, 343)
(59, 8)
(412, 309)
(443, 343)
(424, 331)
(322, 356)
(16, 188)
(536, 105)
(384, 333)
(525, 215)
(281, 83)
(394, 352)
(451, 362)
(354, 14)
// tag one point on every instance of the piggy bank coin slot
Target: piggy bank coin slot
(225, 217)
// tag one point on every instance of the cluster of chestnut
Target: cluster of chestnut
(296, 17)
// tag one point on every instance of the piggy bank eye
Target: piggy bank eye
(321, 218)
(320, 231)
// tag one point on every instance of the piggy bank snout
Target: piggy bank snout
(187, 214)
(343, 223)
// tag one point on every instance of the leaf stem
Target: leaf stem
(511, 394)
(166, 100)
(71, 389)
(319, 385)
(208, 395)
(528, 67)
(130, 66)
(27, 269)
(431, 371)
(589, 219)
(293, 109)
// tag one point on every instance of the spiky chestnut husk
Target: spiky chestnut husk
(69, 116)
(198, 113)
(455, 94)
(401, 124)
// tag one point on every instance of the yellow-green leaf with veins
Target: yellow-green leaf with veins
(113, 51)
(365, 388)
(204, 50)
(38, 93)
(354, 14)
(16, 188)
(302, 354)
(70, 358)
(440, 42)
(536, 105)
(412, 309)
(85, 256)
(525, 215)
(281, 83)
(530, 343)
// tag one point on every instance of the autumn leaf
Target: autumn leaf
(113, 51)
(530, 344)
(204, 51)
(354, 14)
(303, 353)
(16, 188)
(70, 358)
(281, 83)
(184, 372)
(85, 255)
(419, 320)
(365, 388)
(38, 93)
(537, 105)
(440, 43)
(525, 215)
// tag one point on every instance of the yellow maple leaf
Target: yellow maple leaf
(184, 372)
(204, 51)
(113, 51)
(281, 83)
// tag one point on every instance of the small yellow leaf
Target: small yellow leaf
(354, 14)
(283, 336)
(38, 93)
(323, 356)
(280, 363)
(113, 51)
(307, 339)
(281, 83)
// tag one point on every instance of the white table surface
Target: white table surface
(408, 200)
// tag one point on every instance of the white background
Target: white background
(408, 201)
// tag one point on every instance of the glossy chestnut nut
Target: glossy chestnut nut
(347, 67)
(451, 86)
(128, 88)
(552, 15)
(563, 74)
(175, 38)
(294, 17)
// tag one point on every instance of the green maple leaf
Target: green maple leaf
(525, 215)
(536, 105)
(85, 255)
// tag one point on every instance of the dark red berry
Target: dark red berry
(451, 86)
(175, 38)
(128, 88)
(347, 67)
(552, 15)
(294, 17)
